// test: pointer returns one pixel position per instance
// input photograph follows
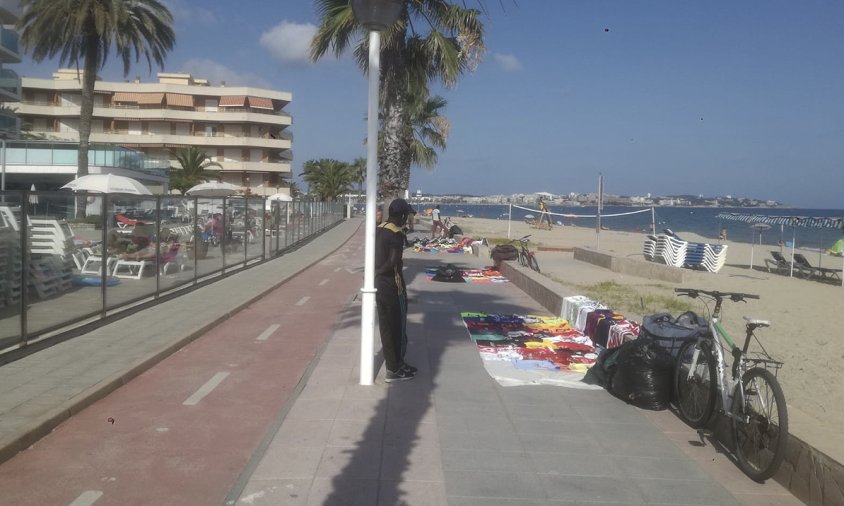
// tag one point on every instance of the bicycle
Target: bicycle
(526, 256)
(757, 410)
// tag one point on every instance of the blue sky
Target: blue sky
(659, 96)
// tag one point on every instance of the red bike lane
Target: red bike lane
(181, 432)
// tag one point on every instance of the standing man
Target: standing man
(544, 214)
(391, 294)
(436, 222)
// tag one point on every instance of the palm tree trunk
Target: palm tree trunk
(86, 111)
(393, 84)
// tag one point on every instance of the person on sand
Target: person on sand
(436, 222)
(391, 294)
(544, 214)
(722, 236)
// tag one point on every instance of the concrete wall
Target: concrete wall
(630, 266)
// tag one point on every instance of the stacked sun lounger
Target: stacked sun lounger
(649, 249)
(670, 250)
(710, 257)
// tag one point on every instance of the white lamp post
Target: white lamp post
(376, 16)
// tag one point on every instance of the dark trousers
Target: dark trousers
(392, 322)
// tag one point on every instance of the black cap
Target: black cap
(400, 206)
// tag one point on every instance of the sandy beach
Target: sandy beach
(801, 333)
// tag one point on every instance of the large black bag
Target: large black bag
(670, 332)
(641, 374)
(504, 252)
(454, 230)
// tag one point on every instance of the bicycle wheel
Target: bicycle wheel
(522, 259)
(696, 391)
(760, 442)
(533, 263)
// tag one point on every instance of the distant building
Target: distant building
(242, 128)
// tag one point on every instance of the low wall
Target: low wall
(631, 266)
(808, 473)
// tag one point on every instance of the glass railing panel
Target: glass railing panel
(254, 243)
(235, 232)
(11, 259)
(65, 277)
(176, 268)
(134, 245)
(208, 250)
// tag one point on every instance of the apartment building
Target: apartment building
(242, 128)
(10, 83)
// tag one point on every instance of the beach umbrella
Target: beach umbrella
(107, 183)
(757, 227)
(213, 189)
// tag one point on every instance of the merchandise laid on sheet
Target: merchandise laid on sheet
(530, 349)
(444, 245)
(451, 274)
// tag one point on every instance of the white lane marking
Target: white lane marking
(324, 281)
(87, 498)
(303, 300)
(206, 389)
(267, 333)
(350, 271)
(337, 269)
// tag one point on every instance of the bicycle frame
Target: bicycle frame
(726, 385)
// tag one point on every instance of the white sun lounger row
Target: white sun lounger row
(670, 250)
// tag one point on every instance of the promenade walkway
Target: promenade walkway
(451, 436)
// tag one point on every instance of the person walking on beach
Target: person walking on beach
(544, 214)
(436, 222)
(391, 294)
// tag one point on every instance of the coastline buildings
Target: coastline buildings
(242, 128)
(10, 83)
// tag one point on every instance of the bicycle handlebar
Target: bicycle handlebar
(734, 296)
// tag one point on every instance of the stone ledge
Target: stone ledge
(631, 266)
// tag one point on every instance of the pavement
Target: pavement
(450, 436)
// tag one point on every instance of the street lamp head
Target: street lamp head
(377, 14)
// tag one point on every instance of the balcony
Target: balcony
(234, 166)
(123, 112)
(123, 137)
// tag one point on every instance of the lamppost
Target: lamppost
(375, 16)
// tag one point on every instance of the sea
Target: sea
(698, 220)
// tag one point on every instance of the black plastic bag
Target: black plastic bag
(642, 373)
(448, 274)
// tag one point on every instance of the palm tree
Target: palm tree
(195, 165)
(358, 168)
(429, 129)
(87, 30)
(294, 189)
(409, 60)
(327, 178)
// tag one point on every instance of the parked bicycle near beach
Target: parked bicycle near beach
(751, 397)
(526, 256)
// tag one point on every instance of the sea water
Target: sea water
(698, 220)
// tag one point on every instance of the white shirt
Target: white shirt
(435, 215)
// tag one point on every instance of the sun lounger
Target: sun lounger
(816, 272)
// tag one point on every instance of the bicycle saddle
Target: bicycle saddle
(756, 323)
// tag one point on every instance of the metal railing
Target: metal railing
(58, 272)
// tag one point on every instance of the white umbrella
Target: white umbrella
(757, 227)
(33, 198)
(283, 197)
(107, 183)
(213, 189)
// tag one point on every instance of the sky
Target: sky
(664, 97)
